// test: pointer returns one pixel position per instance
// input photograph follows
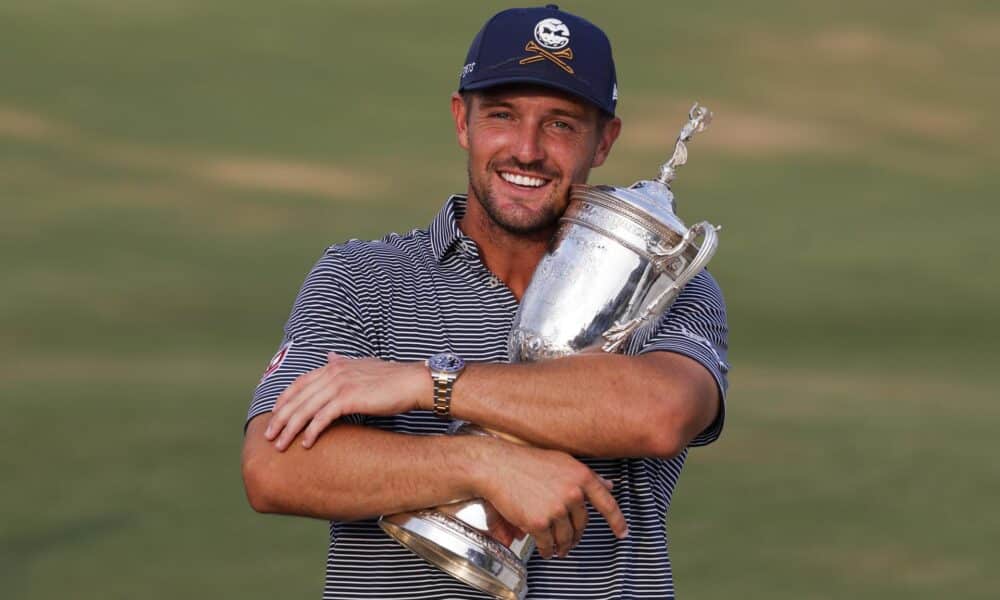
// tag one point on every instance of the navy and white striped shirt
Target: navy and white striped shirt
(407, 297)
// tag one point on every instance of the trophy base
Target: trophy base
(461, 551)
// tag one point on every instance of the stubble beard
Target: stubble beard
(543, 222)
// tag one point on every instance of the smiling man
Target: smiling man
(338, 426)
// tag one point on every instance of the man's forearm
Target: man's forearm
(356, 472)
(590, 404)
(593, 404)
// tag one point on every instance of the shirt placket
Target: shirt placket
(488, 278)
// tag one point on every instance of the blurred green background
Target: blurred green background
(169, 171)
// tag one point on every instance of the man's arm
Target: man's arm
(355, 472)
(593, 404)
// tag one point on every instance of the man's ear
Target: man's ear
(460, 112)
(608, 136)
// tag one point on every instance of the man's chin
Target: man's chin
(526, 225)
(526, 217)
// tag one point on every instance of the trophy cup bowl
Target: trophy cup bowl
(618, 260)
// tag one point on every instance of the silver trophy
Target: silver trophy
(618, 260)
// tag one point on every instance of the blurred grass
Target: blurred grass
(169, 171)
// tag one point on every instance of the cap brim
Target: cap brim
(540, 81)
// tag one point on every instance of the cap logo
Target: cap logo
(552, 34)
(552, 37)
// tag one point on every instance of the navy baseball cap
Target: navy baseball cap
(543, 46)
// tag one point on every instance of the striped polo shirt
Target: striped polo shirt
(406, 297)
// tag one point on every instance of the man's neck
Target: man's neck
(511, 257)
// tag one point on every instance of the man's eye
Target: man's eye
(562, 125)
(500, 115)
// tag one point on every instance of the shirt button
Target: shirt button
(493, 282)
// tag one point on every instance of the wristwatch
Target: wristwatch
(445, 369)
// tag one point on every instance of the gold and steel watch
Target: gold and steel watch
(445, 369)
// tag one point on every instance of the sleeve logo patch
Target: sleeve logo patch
(279, 357)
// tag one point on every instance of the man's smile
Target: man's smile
(521, 180)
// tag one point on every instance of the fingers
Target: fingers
(578, 517)
(544, 542)
(289, 402)
(285, 405)
(563, 535)
(299, 403)
(505, 532)
(295, 415)
(291, 391)
(566, 527)
(327, 415)
(344, 386)
(601, 499)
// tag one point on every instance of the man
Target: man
(335, 429)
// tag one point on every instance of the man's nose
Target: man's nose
(528, 148)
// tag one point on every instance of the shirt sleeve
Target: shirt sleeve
(325, 318)
(695, 326)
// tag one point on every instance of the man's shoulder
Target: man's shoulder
(392, 249)
(705, 287)
(373, 268)
(419, 248)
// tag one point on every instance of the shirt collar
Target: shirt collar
(444, 231)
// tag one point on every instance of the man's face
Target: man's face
(527, 146)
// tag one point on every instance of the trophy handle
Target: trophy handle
(618, 334)
(705, 253)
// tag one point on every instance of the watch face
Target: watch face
(446, 362)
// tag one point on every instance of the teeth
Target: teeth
(522, 180)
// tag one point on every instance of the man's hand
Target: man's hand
(545, 493)
(345, 386)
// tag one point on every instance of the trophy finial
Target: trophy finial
(698, 119)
